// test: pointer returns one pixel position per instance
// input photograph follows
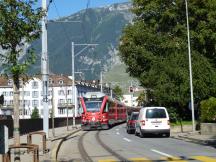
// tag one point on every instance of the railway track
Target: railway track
(87, 158)
(82, 150)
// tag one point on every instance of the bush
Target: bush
(208, 110)
(35, 114)
(173, 114)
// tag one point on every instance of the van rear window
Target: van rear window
(155, 113)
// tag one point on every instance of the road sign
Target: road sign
(3, 139)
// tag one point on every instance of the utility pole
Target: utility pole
(53, 112)
(131, 94)
(190, 68)
(44, 70)
(73, 85)
(74, 98)
(66, 98)
(101, 78)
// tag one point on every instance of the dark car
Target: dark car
(131, 122)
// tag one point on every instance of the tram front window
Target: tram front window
(93, 106)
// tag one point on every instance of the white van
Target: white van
(153, 120)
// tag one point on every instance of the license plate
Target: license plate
(156, 122)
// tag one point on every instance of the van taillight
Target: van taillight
(142, 122)
(168, 122)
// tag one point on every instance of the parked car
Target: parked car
(153, 120)
(131, 122)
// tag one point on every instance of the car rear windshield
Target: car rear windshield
(134, 116)
(155, 113)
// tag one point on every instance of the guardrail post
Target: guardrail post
(29, 141)
(43, 134)
(44, 143)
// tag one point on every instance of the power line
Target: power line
(62, 26)
(49, 5)
(83, 20)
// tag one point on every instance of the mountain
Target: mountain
(102, 26)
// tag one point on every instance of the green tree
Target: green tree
(35, 113)
(141, 99)
(208, 110)
(19, 26)
(118, 92)
(154, 48)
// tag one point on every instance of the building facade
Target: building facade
(60, 96)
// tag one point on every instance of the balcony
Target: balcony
(65, 105)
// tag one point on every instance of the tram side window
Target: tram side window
(80, 107)
(106, 107)
(111, 106)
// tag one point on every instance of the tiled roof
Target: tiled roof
(4, 82)
(55, 80)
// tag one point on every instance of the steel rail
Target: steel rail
(107, 148)
(83, 153)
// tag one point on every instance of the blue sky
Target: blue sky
(67, 7)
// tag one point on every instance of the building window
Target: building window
(10, 82)
(61, 101)
(34, 94)
(35, 103)
(51, 81)
(10, 102)
(61, 82)
(69, 101)
(34, 85)
(4, 93)
(61, 92)
(26, 93)
(26, 103)
(69, 92)
(61, 111)
(11, 93)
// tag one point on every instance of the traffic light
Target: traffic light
(131, 90)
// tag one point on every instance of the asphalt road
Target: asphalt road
(116, 145)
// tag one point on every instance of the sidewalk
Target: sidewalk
(52, 143)
(195, 137)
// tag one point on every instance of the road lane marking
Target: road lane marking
(107, 160)
(162, 153)
(126, 139)
(204, 158)
(173, 159)
(117, 133)
(139, 160)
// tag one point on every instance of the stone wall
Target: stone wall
(208, 128)
(185, 128)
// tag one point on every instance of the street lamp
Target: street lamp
(44, 71)
(190, 68)
(73, 73)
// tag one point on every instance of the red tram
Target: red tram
(101, 111)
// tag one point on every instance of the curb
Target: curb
(194, 140)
